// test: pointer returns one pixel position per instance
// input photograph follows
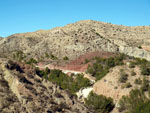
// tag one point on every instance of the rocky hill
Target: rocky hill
(23, 91)
(78, 38)
(44, 71)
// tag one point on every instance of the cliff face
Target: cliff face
(136, 52)
(21, 90)
(78, 38)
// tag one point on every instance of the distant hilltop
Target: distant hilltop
(78, 38)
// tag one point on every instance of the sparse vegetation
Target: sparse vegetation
(144, 65)
(101, 66)
(136, 102)
(19, 55)
(99, 103)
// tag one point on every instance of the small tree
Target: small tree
(53, 57)
(138, 81)
(99, 103)
(140, 47)
(123, 77)
(145, 85)
(86, 61)
(145, 70)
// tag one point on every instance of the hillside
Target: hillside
(22, 90)
(83, 67)
(78, 38)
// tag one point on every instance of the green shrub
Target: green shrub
(86, 61)
(133, 73)
(47, 55)
(123, 77)
(145, 70)
(145, 85)
(143, 107)
(43, 73)
(140, 47)
(144, 65)
(97, 34)
(140, 61)
(65, 58)
(99, 103)
(53, 57)
(138, 81)
(128, 85)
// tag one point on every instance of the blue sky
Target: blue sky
(17, 16)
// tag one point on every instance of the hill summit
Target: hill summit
(78, 38)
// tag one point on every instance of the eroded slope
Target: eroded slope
(23, 91)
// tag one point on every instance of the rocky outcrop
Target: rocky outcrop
(83, 93)
(9, 102)
(135, 52)
(26, 92)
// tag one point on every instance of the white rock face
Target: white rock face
(83, 93)
(136, 52)
(70, 71)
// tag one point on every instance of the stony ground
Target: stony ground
(23, 91)
(110, 85)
